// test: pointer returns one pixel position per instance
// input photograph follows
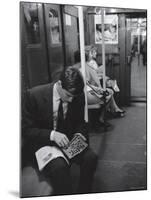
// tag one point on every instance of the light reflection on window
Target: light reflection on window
(54, 27)
(32, 22)
(138, 34)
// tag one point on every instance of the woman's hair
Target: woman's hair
(89, 48)
(72, 80)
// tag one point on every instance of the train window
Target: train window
(32, 22)
(54, 26)
(138, 34)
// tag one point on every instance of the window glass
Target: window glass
(54, 26)
(32, 22)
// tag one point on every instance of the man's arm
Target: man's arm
(30, 128)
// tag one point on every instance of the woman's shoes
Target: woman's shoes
(119, 113)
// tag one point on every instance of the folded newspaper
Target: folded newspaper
(95, 90)
(47, 153)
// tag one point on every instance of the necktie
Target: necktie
(60, 120)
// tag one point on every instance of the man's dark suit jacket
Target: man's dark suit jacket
(37, 121)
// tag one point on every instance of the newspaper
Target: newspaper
(95, 90)
(47, 153)
(76, 146)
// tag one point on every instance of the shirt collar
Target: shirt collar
(55, 93)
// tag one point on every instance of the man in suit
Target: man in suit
(42, 127)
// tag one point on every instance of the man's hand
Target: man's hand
(61, 139)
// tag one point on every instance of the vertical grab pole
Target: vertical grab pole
(103, 62)
(82, 54)
(103, 48)
(138, 45)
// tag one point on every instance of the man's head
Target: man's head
(90, 52)
(71, 84)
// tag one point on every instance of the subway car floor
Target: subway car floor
(121, 152)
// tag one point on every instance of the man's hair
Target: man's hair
(72, 80)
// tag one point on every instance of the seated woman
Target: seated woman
(95, 92)
(91, 53)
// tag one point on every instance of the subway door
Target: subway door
(34, 67)
(128, 61)
(123, 66)
(71, 34)
(54, 40)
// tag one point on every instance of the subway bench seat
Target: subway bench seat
(94, 106)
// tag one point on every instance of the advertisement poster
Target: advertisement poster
(110, 29)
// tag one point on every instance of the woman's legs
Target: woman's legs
(113, 106)
(109, 105)
(93, 99)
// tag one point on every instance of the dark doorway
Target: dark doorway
(137, 56)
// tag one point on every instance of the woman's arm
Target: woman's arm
(94, 78)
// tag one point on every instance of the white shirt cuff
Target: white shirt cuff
(52, 135)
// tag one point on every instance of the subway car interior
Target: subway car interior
(53, 37)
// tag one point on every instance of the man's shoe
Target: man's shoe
(104, 124)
